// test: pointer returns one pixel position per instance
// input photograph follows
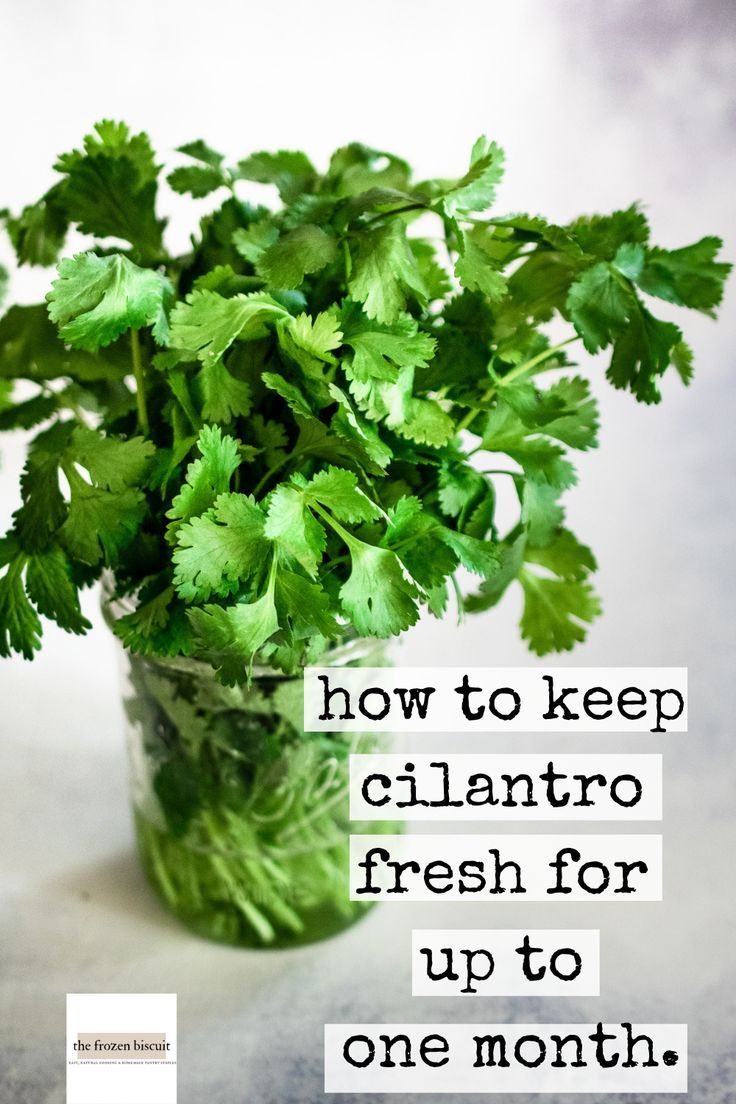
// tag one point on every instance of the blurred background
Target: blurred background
(596, 105)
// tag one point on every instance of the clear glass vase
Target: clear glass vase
(241, 818)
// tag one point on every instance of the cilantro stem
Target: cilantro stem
(389, 548)
(474, 412)
(140, 392)
(458, 598)
(396, 211)
(272, 471)
(350, 540)
(519, 370)
(295, 452)
(527, 366)
(77, 412)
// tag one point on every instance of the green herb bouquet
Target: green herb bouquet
(282, 445)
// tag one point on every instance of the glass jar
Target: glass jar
(242, 818)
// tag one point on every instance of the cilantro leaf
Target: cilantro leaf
(478, 556)
(207, 477)
(271, 438)
(477, 189)
(252, 241)
(207, 324)
(220, 548)
(558, 605)
(378, 351)
(158, 625)
(302, 251)
(112, 462)
(555, 613)
(96, 299)
(309, 342)
(356, 168)
(230, 637)
(26, 415)
(319, 336)
(689, 277)
(43, 509)
(541, 513)
(425, 422)
(338, 490)
(565, 411)
(600, 303)
(114, 163)
(681, 357)
(565, 556)
(510, 555)
(50, 588)
(372, 451)
(602, 236)
(224, 397)
(20, 628)
(196, 180)
(291, 393)
(377, 596)
(478, 266)
(319, 441)
(418, 419)
(291, 171)
(459, 486)
(642, 352)
(200, 151)
(303, 607)
(30, 349)
(540, 459)
(99, 524)
(293, 525)
(39, 232)
(295, 529)
(418, 541)
(385, 273)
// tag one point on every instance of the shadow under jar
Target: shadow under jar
(242, 818)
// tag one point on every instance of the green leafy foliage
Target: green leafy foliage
(113, 164)
(39, 232)
(208, 476)
(224, 397)
(99, 524)
(377, 595)
(222, 547)
(20, 627)
(96, 299)
(478, 265)
(158, 625)
(477, 189)
(230, 637)
(296, 431)
(207, 323)
(50, 588)
(558, 602)
(385, 273)
(291, 171)
(302, 251)
(206, 176)
(112, 462)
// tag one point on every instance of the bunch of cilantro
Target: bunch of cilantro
(293, 433)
